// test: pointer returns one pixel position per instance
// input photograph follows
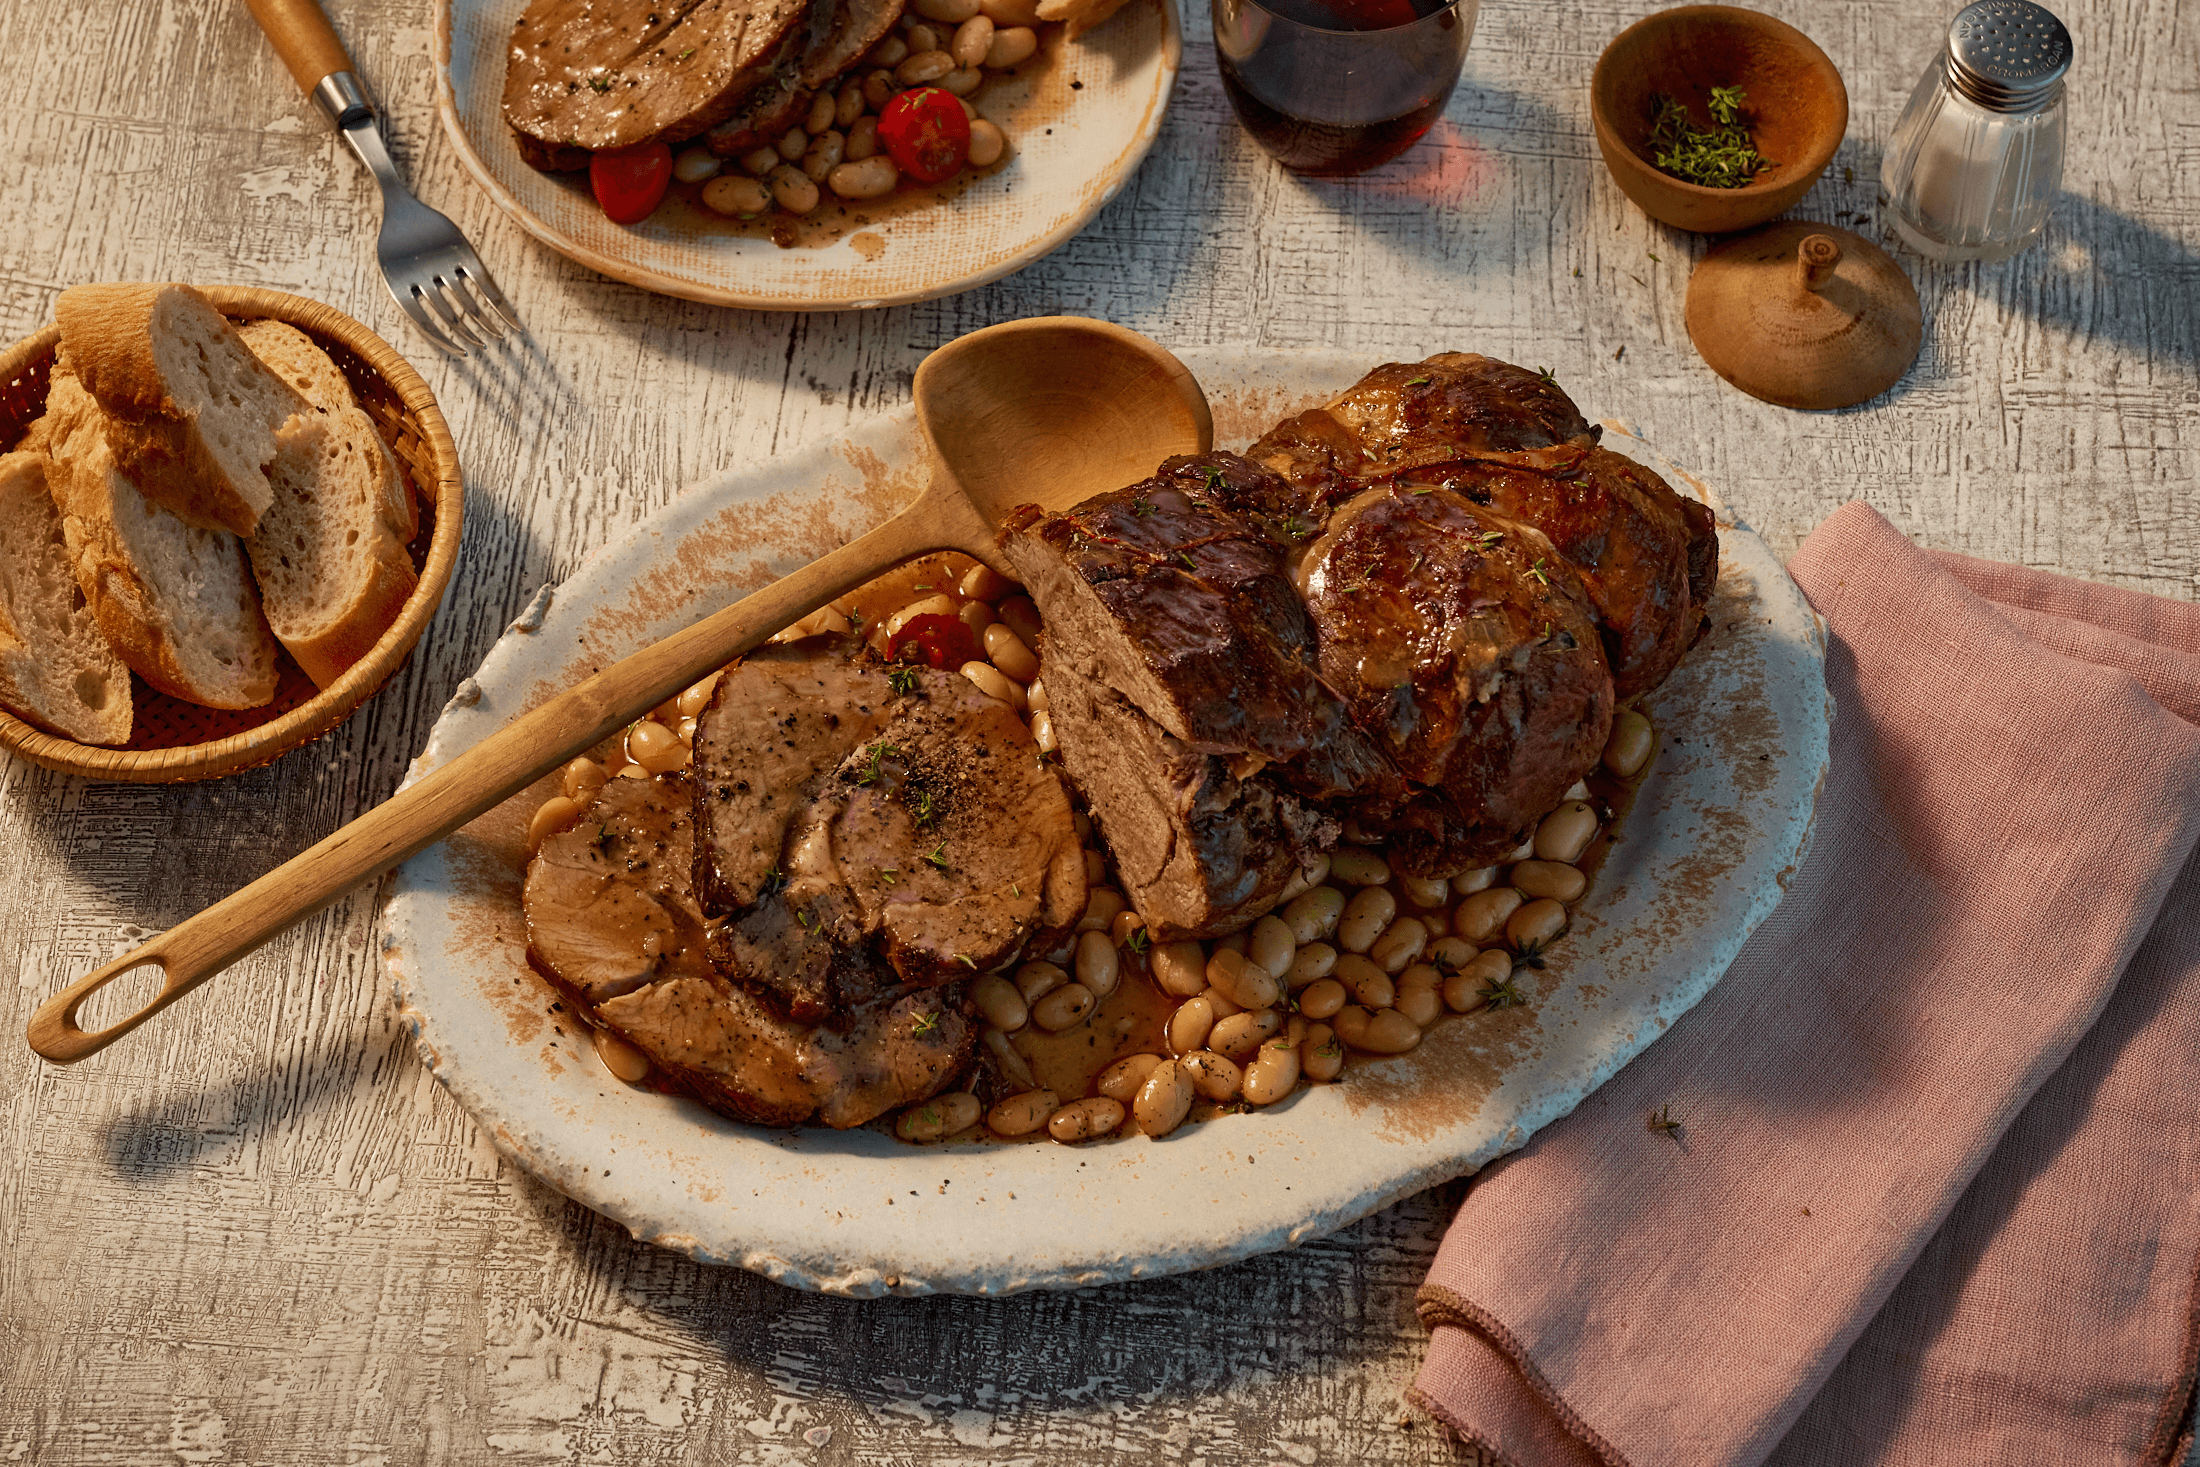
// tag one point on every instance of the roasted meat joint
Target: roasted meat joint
(1265, 759)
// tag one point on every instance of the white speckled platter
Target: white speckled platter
(1717, 828)
(1078, 126)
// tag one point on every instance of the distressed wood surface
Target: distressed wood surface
(257, 1232)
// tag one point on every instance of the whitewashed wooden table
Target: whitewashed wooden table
(258, 1232)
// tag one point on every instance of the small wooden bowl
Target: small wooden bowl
(1797, 106)
(172, 741)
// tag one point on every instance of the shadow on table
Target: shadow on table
(1246, 1334)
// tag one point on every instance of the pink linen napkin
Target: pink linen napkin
(1936, 1193)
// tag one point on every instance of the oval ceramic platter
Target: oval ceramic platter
(1717, 828)
(1078, 124)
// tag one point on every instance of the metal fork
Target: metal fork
(433, 274)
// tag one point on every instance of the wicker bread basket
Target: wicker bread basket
(173, 741)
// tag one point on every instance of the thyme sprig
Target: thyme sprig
(1724, 157)
(1665, 1123)
(1503, 993)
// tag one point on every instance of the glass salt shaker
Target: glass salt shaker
(1977, 159)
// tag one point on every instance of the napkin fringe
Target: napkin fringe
(1438, 1307)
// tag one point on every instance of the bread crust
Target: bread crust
(56, 670)
(111, 339)
(125, 601)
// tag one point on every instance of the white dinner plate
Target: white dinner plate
(1718, 827)
(1078, 125)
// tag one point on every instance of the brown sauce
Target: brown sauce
(1132, 1020)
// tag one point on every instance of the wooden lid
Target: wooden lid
(173, 741)
(1805, 315)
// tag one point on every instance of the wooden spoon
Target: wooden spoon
(1048, 411)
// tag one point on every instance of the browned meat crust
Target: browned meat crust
(587, 75)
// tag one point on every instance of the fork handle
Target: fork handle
(303, 38)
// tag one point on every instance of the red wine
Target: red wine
(1333, 87)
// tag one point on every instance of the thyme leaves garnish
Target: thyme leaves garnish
(1503, 993)
(1724, 157)
(902, 679)
(1664, 1122)
(926, 1023)
(937, 856)
(1536, 571)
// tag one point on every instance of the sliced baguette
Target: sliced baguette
(173, 599)
(291, 355)
(56, 670)
(330, 552)
(191, 413)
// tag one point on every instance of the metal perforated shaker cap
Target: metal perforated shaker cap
(2009, 55)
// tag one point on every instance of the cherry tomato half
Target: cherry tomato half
(934, 640)
(630, 182)
(926, 133)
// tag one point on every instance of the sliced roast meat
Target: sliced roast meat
(608, 900)
(612, 920)
(586, 75)
(854, 27)
(1510, 439)
(1466, 647)
(740, 1057)
(867, 828)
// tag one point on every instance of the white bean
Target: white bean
(961, 82)
(582, 778)
(1126, 922)
(1425, 891)
(1234, 943)
(761, 161)
(1219, 1003)
(1000, 1003)
(1482, 916)
(1536, 925)
(1365, 916)
(1213, 1076)
(1550, 879)
(1012, 45)
(551, 816)
(1240, 1034)
(1314, 914)
(924, 67)
(696, 164)
(1386, 1031)
(1466, 990)
(1401, 943)
(1322, 998)
(1042, 732)
(1450, 953)
(1315, 960)
(792, 144)
(947, 12)
(1009, 653)
(1101, 905)
(1189, 1026)
(1099, 967)
(1421, 994)
(1367, 982)
(989, 680)
(848, 106)
(1022, 617)
(1010, 12)
(1274, 1072)
(1179, 967)
(1164, 1100)
(793, 190)
(656, 748)
(887, 53)
(1628, 749)
(1020, 1115)
(696, 697)
(1271, 945)
(1242, 981)
(1035, 980)
(987, 143)
(938, 1118)
(1081, 1120)
(826, 151)
(1096, 867)
(862, 144)
(1321, 1054)
(869, 174)
(1566, 832)
(1011, 1061)
(983, 583)
(1467, 883)
(1355, 867)
(920, 36)
(977, 616)
(1035, 697)
(622, 1059)
(1120, 1081)
(821, 114)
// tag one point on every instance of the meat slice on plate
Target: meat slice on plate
(613, 921)
(1185, 691)
(586, 75)
(868, 828)
(854, 27)
(1508, 438)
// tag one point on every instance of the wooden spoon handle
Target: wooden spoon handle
(303, 38)
(493, 770)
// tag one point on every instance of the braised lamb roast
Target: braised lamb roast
(1415, 609)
